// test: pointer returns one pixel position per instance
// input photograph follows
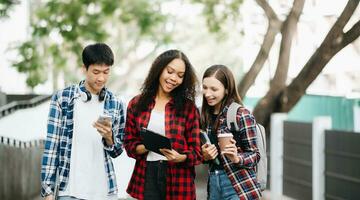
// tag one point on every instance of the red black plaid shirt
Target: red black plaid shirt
(183, 131)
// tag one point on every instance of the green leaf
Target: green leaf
(60, 30)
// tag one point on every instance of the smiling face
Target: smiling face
(96, 77)
(214, 92)
(172, 76)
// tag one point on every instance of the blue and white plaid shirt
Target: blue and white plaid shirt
(57, 151)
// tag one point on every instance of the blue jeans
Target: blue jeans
(220, 186)
(67, 198)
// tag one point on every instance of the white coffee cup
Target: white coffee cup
(224, 139)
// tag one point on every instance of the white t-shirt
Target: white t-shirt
(87, 178)
(156, 124)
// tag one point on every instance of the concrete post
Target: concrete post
(357, 117)
(276, 154)
(2, 98)
(320, 124)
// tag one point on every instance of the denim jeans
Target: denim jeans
(74, 198)
(155, 180)
(67, 198)
(220, 186)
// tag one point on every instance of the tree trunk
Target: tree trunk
(283, 100)
(334, 42)
(287, 29)
(287, 32)
(274, 26)
(267, 104)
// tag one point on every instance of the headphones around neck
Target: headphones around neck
(86, 95)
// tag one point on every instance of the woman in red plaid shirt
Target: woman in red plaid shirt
(166, 106)
(232, 170)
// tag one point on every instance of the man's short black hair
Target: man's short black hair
(98, 53)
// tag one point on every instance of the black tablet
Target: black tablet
(154, 141)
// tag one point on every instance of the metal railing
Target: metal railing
(21, 144)
(16, 105)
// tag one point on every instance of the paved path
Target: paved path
(39, 198)
(201, 195)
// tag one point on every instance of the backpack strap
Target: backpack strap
(231, 116)
(260, 128)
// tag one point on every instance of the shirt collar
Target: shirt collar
(81, 88)
(152, 103)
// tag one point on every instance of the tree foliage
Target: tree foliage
(6, 6)
(217, 12)
(60, 29)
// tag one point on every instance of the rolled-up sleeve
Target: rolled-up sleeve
(118, 129)
(248, 153)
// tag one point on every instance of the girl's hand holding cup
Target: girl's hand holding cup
(228, 147)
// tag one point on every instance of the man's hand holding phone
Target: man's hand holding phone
(49, 197)
(103, 126)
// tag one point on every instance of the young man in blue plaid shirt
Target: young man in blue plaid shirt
(78, 148)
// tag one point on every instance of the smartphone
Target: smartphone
(104, 119)
(204, 138)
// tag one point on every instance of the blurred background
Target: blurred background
(299, 58)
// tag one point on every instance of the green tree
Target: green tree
(6, 6)
(282, 97)
(60, 29)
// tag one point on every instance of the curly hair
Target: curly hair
(184, 92)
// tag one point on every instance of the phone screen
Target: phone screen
(104, 119)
